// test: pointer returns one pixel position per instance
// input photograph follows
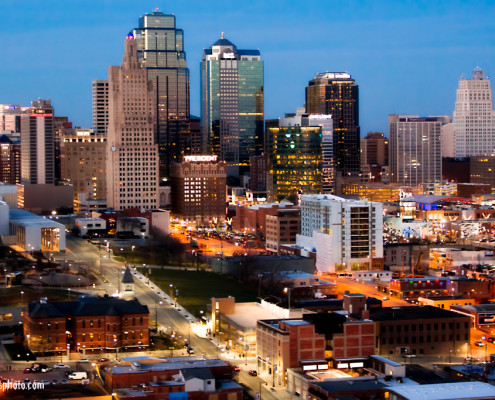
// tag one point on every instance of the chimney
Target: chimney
(365, 314)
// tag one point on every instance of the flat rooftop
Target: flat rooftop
(405, 313)
(25, 218)
(164, 364)
(442, 391)
(246, 315)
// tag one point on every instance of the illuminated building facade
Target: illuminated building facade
(84, 162)
(37, 144)
(416, 149)
(482, 169)
(295, 159)
(347, 235)
(132, 153)
(10, 159)
(198, 186)
(160, 47)
(474, 117)
(232, 103)
(337, 94)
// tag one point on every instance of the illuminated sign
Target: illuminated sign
(341, 75)
(309, 367)
(200, 158)
(356, 365)
(323, 366)
(40, 115)
(343, 366)
(228, 55)
(10, 107)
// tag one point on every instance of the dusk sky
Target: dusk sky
(406, 56)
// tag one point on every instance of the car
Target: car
(102, 360)
(385, 298)
(237, 368)
(190, 350)
(471, 359)
(252, 372)
(490, 339)
(479, 343)
(63, 381)
(27, 370)
(67, 373)
(27, 380)
(60, 366)
(46, 382)
(54, 382)
(83, 360)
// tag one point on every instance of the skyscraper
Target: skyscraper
(474, 117)
(160, 47)
(37, 144)
(294, 159)
(336, 93)
(132, 153)
(232, 102)
(415, 149)
(100, 107)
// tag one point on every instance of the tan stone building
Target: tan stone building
(198, 186)
(132, 153)
(282, 228)
(83, 163)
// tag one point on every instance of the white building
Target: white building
(132, 152)
(89, 226)
(347, 235)
(474, 117)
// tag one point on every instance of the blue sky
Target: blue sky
(406, 56)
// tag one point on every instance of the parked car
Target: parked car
(490, 339)
(83, 360)
(60, 366)
(78, 375)
(102, 360)
(27, 370)
(252, 372)
(237, 368)
(479, 343)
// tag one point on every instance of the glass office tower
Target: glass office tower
(161, 52)
(336, 93)
(232, 103)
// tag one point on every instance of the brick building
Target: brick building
(282, 228)
(253, 218)
(420, 330)
(87, 324)
(198, 190)
(285, 344)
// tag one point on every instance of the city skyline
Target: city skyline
(410, 53)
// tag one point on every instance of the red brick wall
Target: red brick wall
(358, 340)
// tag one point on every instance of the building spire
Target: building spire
(222, 36)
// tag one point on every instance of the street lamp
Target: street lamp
(287, 290)
(22, 297)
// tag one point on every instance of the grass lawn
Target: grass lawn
(12, 296)
(196, 288)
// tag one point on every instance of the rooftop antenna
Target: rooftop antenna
(222, 36)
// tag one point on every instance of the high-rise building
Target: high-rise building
(37, 144)
(232, 102)
(195, 139)
(132, 153)
(160, 48)
(482, 169)
(198, 186)
(100, 107)
(474, 117)
(294, 159)
(337, 94)
(83, 163)
(10, 159)
(10, 117)
(374, 155)
(346, 235)
(415, 149)
(61, 128)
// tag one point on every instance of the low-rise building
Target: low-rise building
(297, 281)
(445, 302)
(481, 315)
(89, 227)
(420, 330)
(282, 228)
(87, 324)
(443, 391)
